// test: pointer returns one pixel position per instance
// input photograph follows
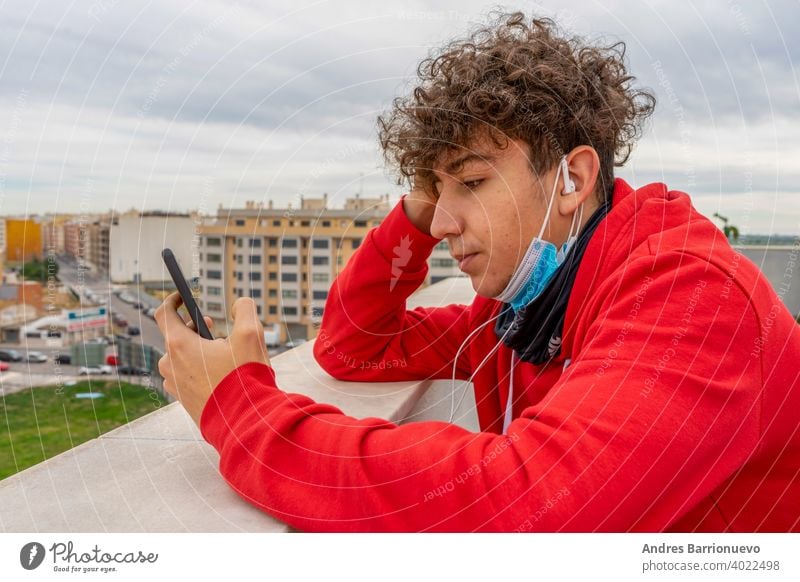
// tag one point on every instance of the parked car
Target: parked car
(150, 312)
(137, 305)
(94, 370)
(10, 356)
(133, 330)
(63, 359)
(36, 357)
(133, 371)
(4, 367)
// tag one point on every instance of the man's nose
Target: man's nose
(446, 220)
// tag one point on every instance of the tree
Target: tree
(41, 271)
(731, 232)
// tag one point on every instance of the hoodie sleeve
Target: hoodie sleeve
(661, 406)
(367, 334)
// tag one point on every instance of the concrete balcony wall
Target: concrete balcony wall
(157, 474)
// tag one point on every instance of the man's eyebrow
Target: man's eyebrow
(458, 163)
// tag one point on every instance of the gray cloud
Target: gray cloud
(147, 101)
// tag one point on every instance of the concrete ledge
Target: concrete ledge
(157, 474)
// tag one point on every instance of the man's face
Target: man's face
(490, 207)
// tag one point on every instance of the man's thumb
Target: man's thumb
(245, 316)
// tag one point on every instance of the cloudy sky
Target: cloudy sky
(178, 104)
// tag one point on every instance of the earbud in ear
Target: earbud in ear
(569, 185)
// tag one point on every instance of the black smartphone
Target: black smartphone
(186, 293)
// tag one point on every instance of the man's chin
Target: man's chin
(484, 288)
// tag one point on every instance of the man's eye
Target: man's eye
(472, 184)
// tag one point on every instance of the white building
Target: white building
(136, 242)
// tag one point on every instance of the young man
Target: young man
(632, 372)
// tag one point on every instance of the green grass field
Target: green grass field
(39, 423)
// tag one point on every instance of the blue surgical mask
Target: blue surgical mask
(541, 260)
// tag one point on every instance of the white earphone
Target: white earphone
(569, 185)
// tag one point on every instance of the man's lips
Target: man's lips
(464, 260)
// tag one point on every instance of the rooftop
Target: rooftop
(157, 474)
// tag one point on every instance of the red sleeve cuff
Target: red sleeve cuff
(241, 390)
(397, 233)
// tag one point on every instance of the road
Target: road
(101, 285)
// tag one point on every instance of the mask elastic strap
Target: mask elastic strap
(552, 199)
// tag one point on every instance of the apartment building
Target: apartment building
(286, 259)
(135, 242)
(23, 239)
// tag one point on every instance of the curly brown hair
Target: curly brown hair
(518, 80)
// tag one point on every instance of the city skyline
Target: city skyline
(175, 107)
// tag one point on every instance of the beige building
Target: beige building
(87, 239)
(286, 259)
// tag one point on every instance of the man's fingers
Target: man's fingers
(209, 324)
(167, 317)
(245, 317)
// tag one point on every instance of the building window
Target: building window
(239, 222)
(238, 259)
(442, 245)
(317, 311)
(326, 223)
(276, 223)
(255, 293)
(214, 258)
(272, 276)
(213, 242)
(212, 306)
(217, 275)
(437, 279)
(239, 276)
(290, 310)
(214, 290)
(289, 243)
(258, 309)
(272, 292)
(356, 243)
(255, 243)
(319, 295)
(320, 277)
(360, 223)
(320, 243)
(289, 277)
(273, 310)
(289, 293)
(239, 242)
(255, 259)
(273, 259)
(255, 276)
(273, 242)
(305, 223)
(288, 260)
(320, 261)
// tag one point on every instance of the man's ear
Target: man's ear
(584, 168)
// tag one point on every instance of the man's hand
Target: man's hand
(419, 207)
(193, 366)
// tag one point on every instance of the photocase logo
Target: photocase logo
(31, 555)
(402, 254)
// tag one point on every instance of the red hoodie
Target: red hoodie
(674, 405)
